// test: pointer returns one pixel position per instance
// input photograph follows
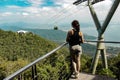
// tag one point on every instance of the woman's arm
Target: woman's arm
(68, 35)
(82, 37)
(67, 38)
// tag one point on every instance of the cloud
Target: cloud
(6, 14)
(103, 8)
(33, 10)
(25, 14)
(64, 1)
(35, 2)
(62, 14)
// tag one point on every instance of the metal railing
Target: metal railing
(117, 42)
(34, 75)
(33, 65)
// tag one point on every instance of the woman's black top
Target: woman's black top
(75, 38)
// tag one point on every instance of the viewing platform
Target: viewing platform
(86, 76)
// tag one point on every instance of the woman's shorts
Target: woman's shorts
(77, 49)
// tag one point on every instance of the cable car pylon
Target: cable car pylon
(100, 29)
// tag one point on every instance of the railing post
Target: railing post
(24, 76)
(34, 73)
(20, 77)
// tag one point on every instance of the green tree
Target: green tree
(55, 28)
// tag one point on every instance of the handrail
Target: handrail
(44, 56)
(33, 63)
(118, 42)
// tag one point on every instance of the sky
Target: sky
(45, 14)
(52, 12)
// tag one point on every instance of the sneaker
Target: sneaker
(76, 74)
(73, 73)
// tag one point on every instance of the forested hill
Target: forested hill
(59, 36)
(23, 45)
(55, 35)
(18, 50)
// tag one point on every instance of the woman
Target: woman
(75, 38)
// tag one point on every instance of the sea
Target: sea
(112, 33)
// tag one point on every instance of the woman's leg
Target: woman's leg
(78, 58)
(74, 63)
(78, 62)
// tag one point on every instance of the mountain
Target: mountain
(58, 36)
(23, 45)
(18, 50)
(55, 35)
(15, 26)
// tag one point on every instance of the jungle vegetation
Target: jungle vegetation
(18, 50)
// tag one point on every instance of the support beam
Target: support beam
(100, 46)
(110, 14)
(101, 29)
(94, 16)
(104, 59)
(100, 50)
(95, 61)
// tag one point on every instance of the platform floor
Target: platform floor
(85, 76)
